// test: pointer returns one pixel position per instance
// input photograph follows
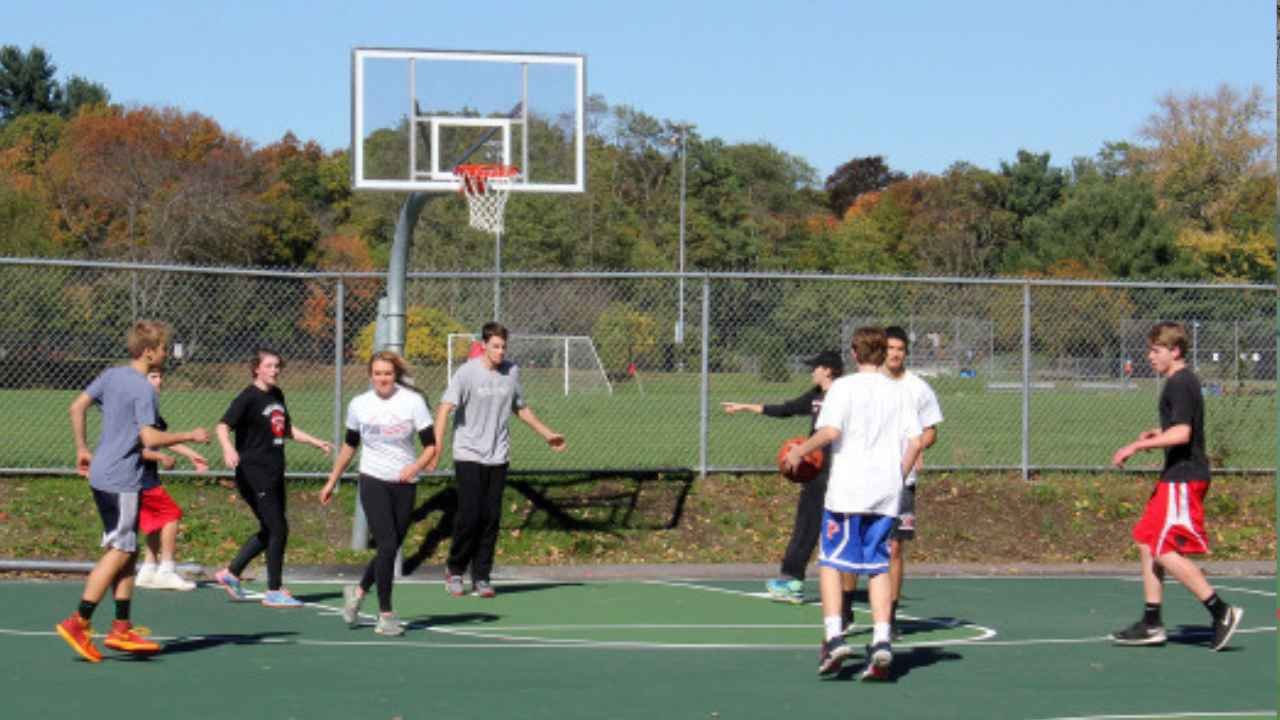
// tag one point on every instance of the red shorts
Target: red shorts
(157, 510)
(1174, 519)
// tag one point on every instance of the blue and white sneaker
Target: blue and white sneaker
(791, 591)
(231, 584)
(879, 658)
(280, 599)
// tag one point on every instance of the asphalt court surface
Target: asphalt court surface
(677, 648)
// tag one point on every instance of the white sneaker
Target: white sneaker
(145, 577)
(389, 625)
(351, 599)
(170, 580)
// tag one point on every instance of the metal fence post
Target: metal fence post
(1026, 380)
(339, 342)
(705, 399)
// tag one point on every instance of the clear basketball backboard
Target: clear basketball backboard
(418, 114)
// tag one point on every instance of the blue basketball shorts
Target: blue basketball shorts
(856, 543)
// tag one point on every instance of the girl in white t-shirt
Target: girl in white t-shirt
(384, 419)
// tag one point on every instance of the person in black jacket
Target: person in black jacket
(789, 586)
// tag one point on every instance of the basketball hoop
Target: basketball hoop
(486, 187)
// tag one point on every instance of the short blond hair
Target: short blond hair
(1169, 335)
(869, 345)
(146, 335)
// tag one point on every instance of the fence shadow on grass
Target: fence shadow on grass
(594, 502)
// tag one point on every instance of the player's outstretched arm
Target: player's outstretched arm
(196, 459)
(553, 438)
(153, 438)
(733, 407)
(1151, 440)
(302, 436)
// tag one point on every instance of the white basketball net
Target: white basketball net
(487, 192)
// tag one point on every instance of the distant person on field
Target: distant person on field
(874, 434)
(486, 391)
(159, 514)
(260, 420)
(115, 469)
(384, 420)
(1172, 527)
(789, 585)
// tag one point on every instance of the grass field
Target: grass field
(664, 648)
(655, 423)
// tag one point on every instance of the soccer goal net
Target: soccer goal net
(559, 363)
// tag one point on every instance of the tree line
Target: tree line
(1190, 198)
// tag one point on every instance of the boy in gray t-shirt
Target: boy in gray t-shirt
(129, 416)
(486, 391)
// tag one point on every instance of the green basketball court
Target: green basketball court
(972, 648)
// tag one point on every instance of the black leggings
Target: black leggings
(808, 524)
(388, 506)
(264, 492)
(475, 530)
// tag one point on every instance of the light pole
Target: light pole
(684, 131)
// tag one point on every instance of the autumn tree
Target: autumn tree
(1211, 159)
(152, 184)
(855, 177)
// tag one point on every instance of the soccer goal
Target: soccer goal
(569, 363)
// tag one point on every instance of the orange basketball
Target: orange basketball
(809, 465)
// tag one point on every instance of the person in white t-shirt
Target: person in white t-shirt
(874, 434)
(929, 414)
(385, 420)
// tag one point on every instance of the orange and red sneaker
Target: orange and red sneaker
(79, 635)
(125, 637)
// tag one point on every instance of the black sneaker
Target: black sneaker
(879, 658)
(1226, 627)
(834, 652)
(1140, 633)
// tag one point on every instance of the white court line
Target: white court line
(1250, 591)
(986, 631)
(1160, 716)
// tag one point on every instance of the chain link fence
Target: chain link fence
(1031, 374)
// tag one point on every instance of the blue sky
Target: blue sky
(923, 82)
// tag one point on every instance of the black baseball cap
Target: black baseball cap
(827, 359)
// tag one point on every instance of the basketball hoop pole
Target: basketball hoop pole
(390, 330)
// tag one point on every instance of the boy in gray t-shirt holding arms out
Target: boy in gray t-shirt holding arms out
(486, 391)
(129, 418)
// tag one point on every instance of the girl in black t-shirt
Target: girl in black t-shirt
(260, 420)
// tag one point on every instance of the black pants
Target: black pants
(388, 507)
(808, 523)
(263, 491)
(475, 530)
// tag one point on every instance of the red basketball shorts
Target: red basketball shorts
(158, 509)
(1174, 519)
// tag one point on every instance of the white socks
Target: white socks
(833, 626)
(879, 633)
